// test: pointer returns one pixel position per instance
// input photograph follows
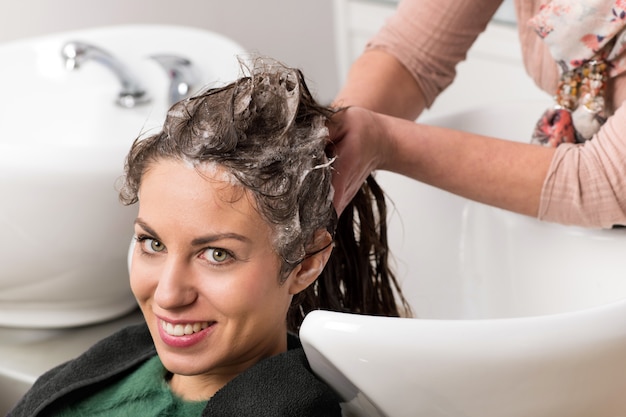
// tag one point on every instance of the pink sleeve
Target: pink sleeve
(429, 37)
(586, 184)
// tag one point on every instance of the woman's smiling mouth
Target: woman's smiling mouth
(182, 335)
(183, 329)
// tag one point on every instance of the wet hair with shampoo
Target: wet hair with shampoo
(269, 134)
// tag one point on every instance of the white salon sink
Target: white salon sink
(515, 317)
(64, 234)
(459, 259)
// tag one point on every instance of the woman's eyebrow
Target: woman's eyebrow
(203, 240)
(147, 228)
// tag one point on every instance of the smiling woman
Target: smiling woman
(236, 240)
(207, 282)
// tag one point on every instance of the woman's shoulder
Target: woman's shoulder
(121, 350)
(129, 341)
(107, 358)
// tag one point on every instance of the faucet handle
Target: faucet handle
(182, 73)
(132, 93)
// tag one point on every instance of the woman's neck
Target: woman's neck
(198, 387)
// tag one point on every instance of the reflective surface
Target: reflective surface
(570, 364)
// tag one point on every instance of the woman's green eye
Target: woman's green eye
(216, 255)
(156, 246)
(149, 245)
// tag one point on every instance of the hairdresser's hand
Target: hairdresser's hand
(360, 144)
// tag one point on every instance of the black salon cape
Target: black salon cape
(282, 385)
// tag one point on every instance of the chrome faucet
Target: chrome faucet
(76, 53)
(183, 76)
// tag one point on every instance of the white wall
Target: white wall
(296, 32)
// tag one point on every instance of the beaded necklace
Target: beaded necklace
(580, 106)
(587, 39)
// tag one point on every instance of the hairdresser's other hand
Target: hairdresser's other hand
(361, 146)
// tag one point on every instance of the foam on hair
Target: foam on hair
(269, 134)
(267, 131)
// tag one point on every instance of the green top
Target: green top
(144, 392)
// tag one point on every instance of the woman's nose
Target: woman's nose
(175, 288)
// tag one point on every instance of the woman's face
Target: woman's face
(206, 275)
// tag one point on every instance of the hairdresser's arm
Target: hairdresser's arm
(413, 57)
(497, 172)
(379, 82)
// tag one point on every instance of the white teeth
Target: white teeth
(183, 329)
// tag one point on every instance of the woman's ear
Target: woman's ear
(312, 266)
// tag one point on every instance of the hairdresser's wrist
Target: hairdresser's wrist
(387, 152)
